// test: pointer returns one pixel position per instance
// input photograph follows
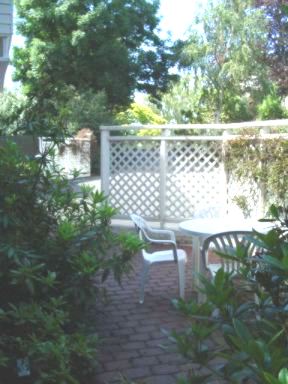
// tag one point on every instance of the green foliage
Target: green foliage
(186, 102)
(241, 335)
(238, 108)
(242, 203)
(104, 46)
(56, 249)
(226, 64)
(141, 114)
(11, 112)
(276, 52)
(87, 110)
(222, 51)
(80, 110)
(271, 108)
(262, 163)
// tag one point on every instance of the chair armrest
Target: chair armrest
(164, 241)
(166, 232)
(161, 241)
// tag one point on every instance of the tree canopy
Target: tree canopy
(109, 46)
(233, 65)
(276, 53)
(222, 52)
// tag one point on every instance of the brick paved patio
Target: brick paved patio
(133, 333)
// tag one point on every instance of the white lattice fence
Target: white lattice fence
(171, 178)
(134, 182)
(165, 178)
(196, 183)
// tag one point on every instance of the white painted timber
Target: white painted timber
(171, 178)
(226, 126)
(105, 161)
(6, 31)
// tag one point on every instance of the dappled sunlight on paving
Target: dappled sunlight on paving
(134, 334)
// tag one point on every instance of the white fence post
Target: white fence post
(263, 189)
(163, 174)
(105, 160)
(225, 171)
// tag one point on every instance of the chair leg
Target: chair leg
(144, 277)
(181, 272)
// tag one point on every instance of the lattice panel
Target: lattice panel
(196, 183)
(134, 178)
(195, 180)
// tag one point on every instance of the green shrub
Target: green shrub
(141, 114)
(260, 163)
(11, 112)
(56, 249)
(271, 108)
(239, 334)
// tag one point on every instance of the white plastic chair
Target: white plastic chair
(159, 236)
(225, 242)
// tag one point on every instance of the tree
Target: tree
(87, 110)
(184, 102)
(89, 44)
(276, 54)
(96, 45)
(222, 52)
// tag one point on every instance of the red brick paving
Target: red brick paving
(133, 333)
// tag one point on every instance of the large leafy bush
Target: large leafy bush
(56, 248)
(239, 333)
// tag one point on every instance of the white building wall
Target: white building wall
(6, 31)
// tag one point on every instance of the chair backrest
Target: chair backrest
(147, 234)
(225, 242)
(139, 222)
(142, 227)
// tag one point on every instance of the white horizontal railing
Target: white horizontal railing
(223, 126)
(170, 177)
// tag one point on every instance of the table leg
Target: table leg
(196, 259)
(196, 252)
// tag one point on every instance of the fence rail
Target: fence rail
(218, 126)
(170, 178)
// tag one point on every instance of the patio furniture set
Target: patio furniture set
(219, 235)
(136, 323)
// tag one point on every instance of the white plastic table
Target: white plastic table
(200, 229)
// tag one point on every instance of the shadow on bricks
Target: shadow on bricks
(133, 334)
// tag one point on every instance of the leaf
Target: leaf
(242, 375)
(241, 330)
(274, 212)
(283, 376)
(269, 379)
(277, 336)
(274, 262)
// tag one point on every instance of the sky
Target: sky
(176, 17)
